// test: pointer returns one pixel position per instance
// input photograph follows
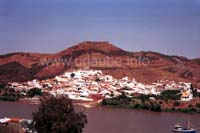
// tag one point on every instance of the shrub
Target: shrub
(176, 104)
(97, 79)
(132, 106)
(137, 106)
(170, 95)
(8, 98)
(112, 102)
(58, 115)
(198, 105)
(72, 75)
(104, 102)
(190, 106)
(123, 96)
(145, 106)
(144, 97)
(173, 109)
(34, 92)
(189, 110)
(155, 107)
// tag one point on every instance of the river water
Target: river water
(110, 120)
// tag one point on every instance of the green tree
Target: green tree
(97, 79)
(170, 95)
(194, 91)
(110, 101)
(34, 92)
(58, 115)
(72, 75)
(145, 106)
(137, 106)
(156, 107)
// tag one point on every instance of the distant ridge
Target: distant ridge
(144, 66)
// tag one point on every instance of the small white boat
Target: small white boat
(179, 129)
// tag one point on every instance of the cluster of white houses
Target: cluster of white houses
(91, 85)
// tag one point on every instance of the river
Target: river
(110, 120)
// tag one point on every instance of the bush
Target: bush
(167, 110)
(72, 75)
(155, 107)
(112, 102)
(143, 97)
(58, 115)
(104, 102)
(97, 79)
(137, 106)
(145, 106)
(8, 98)
(170, 95)
(132, 106)
(176, 104)
(194, 91)
(190, 106)
(192, 110)
(123, 96)
(34, 92)
(198, 105)
(9, 94)
(173, 109)
(188, 110)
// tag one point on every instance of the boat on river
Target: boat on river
(179, 129)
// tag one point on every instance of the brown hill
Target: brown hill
(144, 66)
(196, 60)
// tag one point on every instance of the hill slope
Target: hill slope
(144, 66)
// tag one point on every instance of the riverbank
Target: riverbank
(156, 105)
(86, 104)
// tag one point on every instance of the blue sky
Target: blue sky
(48, 26)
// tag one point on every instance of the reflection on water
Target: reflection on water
(109, 120)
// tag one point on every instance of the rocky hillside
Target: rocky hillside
(144, 66)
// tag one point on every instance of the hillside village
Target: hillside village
(146, 67)
(92, 85)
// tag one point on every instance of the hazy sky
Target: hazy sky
(167, 26)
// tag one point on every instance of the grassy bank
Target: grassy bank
(158, 104)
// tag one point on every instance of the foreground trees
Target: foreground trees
(57, 115)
